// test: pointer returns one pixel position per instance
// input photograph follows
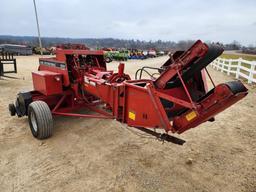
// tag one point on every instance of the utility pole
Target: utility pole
(38, 29)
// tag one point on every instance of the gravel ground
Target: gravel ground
(104, 155)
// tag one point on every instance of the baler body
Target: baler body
(176, 100)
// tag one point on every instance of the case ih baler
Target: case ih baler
(176, 100)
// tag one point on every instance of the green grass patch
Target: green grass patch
(237, 56)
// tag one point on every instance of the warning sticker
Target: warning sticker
(191, 115)
(132, 115)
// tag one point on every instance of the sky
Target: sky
(168, 20)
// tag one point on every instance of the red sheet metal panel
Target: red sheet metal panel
(47, 82)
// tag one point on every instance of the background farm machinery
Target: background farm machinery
(125, 54)
(43, 51)
(115, 55)
(52, 50)
(175, 100)
(138, 54)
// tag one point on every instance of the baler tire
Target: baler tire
(12, 109)
(40, 120)
(108, 60)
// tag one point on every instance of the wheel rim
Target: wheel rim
(33, 121)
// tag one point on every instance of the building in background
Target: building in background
(16, 49)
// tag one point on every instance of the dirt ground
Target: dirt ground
(104, 155)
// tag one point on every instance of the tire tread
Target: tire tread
(44, 119)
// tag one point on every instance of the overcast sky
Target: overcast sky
(216, 20)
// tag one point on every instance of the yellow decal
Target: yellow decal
(191, 115)
(132, 115)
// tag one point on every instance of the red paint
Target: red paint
(86, 83)
(47, 82)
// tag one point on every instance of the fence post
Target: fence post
(222, 66)
(1, 68)
(218, 65)
(250, 79)
(238, 67)
(213, 63)
(229, 66)
(15, 66)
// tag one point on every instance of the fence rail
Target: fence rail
(239, 67)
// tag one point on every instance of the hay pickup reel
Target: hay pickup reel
(176, 100)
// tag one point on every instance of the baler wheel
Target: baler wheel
(108, 59)
(40, 119)
(12, 109)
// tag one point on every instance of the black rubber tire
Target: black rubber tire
(236, 86)
(40, 114)
(108, 60)
(12, 109)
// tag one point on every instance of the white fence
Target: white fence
(238, 67)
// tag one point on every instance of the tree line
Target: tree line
(113, 43)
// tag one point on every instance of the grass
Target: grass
(236, 56)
